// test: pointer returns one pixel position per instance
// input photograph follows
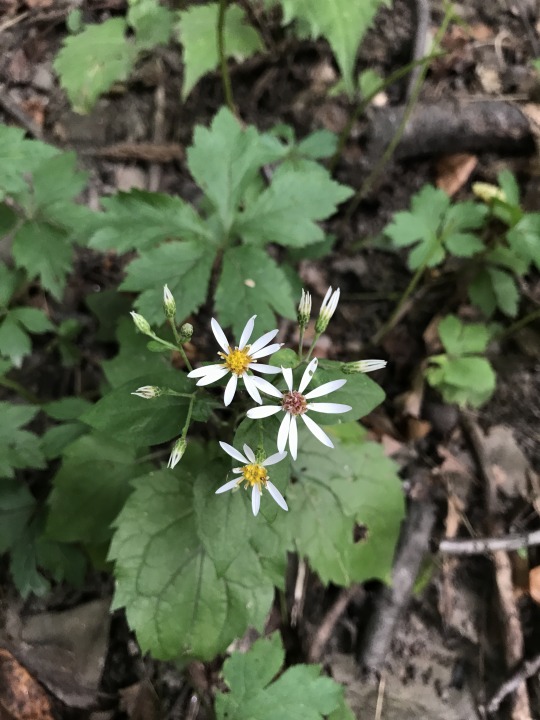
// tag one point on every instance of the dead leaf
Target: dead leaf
(21, 696)
(417, 429)
(35, 108)
(490, 79)
(534, 583)
(453, 171)
(19, 68)
(39, 3)
(140, 701)
(480, 32)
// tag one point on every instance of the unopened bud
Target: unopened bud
(488, 192)
(148, 392)
(142, 324)
(304, 310)
(178, 450)
(186, 332)
(362, 366)
(328, 308)
(169, 306)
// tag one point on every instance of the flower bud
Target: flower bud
(179, 448)
(488, 192)
(328, 308)
(362, 366)
(186, 332)
(169, 305)
(304, 310)
(142, 324)
(148, 392)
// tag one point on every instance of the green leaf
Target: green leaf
(198, 28)
(463, 244)
(524, 238)
(251, 283)
(133, 358)
(19, 156)
(10, 280)
(90, 62)
(14, 341)
(90, 489)
(481, 293)
(336, 490)
(151, 22)
(55, 183)
(176, 599)
(505, 291)
(460, 339)
(286, 357)
(241, 152)
(299, 692)
(465, 216)
(287, 211)
(57, 438)
(8, 219)
(470, 372)
(370, 82)
(184, 266)
(18, 448)
(138, 220)
(68, 408)
(509, 186)
(44, 251)
(139, 422)
(32, 319)
(341, 22)
(318, 145)
(360, 391)
(17, 505)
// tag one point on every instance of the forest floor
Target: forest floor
(444, 650)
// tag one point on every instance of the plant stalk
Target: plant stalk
(225, 75)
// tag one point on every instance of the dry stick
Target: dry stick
(527, 670)
(414, 545)
(486, 545)
(225, 76)
(513, 635)
(423, 16)
(155, 169)
(326, 628)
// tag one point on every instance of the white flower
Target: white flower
(328, 308)
(148, 392)
(294, 403)
(239, 360)
(363, 366)
(253, 473)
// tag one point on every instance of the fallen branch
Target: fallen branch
(486, 545)
(527, 670)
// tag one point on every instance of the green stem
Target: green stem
(20, 390)
(179, 347)
(394, 317)
(385, 157)
(301, 341)
(534, 315)
(225, 76)
(173, 393)
(306, 359)
(362, 106)
(188, 418)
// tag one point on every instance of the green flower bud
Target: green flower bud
(148, 392)
(169, 305)
(304, 310)
(186, 332)
(142, 324)
(179, 448)
(362, 366)
(328, 308)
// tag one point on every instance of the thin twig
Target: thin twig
(423, 15)
(225, 76)
(527, 670)
(326, 628)
(486, 545)
(380, 697)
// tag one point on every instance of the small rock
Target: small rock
(43, 79)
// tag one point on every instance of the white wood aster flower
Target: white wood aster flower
(238, 361)
(253, 474)
(295, 404)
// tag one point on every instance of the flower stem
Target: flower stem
(225, 76)
(306, 359)
(301, 342)
(385, 157)
(179, 347)
(522, 322)
(188, 418)
(20, 390)
(394, 317)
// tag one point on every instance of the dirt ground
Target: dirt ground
(437, 648)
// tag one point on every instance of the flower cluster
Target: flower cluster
(293, 404)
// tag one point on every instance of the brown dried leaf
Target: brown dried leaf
(453, 171)
(534, 583)
(21, 697)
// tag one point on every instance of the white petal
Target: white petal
(233, 452)
(317, 431)
(293, 438)
(325, 389)
(202, 371)
(278, 497)
(262, 412)
(238, 470)
(267, 387)
(325, 299)
(219, 335)
(262, 341)
(249, 454)
(273, 459)
(230, 389)
(287, 374)
(329, 407)
(251, 387)
(246, 333)
(255, 499)
(265, 369)
(308, 374)
(217, 373)
(283, 434)
(228, 486)
(270, 350)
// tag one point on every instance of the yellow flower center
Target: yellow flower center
(237, 361)
(255, 474)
